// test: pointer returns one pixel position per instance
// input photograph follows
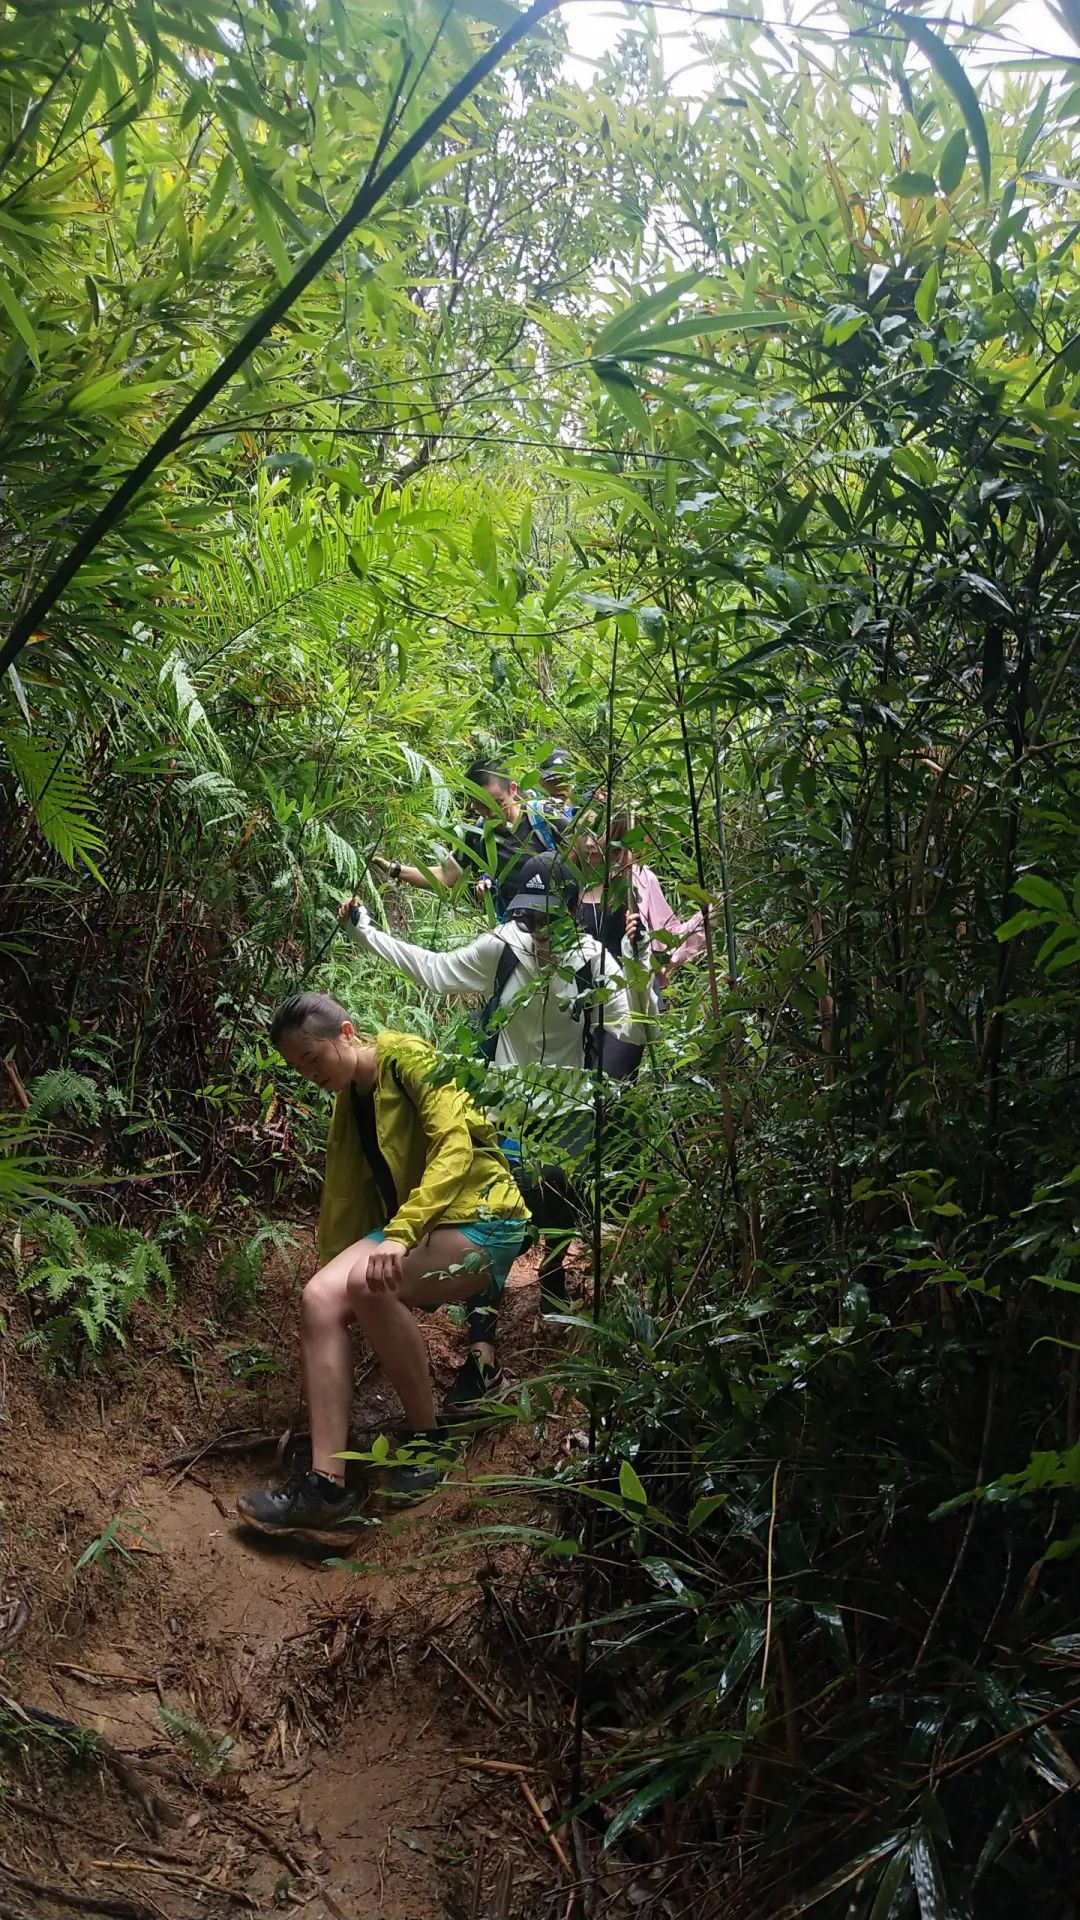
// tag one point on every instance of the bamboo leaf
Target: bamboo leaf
(948, 68)
(621, 331)
(20, 320)
(888, 1903)
(704, 325)
(630, 1486)
(619, 387)
(647, 1797)
(926, 1873)
(953, 161)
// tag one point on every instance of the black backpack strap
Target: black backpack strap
(364, 1116)
(508, 960)
(585, 982)
(618, 1059)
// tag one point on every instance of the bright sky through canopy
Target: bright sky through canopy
(594, 25)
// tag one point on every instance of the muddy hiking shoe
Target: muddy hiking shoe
(306, 1503)
(421, 1465)
(471, 1385)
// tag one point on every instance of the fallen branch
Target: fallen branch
(83, 1902)
(103, 1679)
(15, 1803)
(17, 1087)
(545, 1826)
(234, 1440)
(156, 1812)
(266, 1834)
(488, 1704)
(495, 1766)
(239, 1894)
(14, 1617)
(278, 1849)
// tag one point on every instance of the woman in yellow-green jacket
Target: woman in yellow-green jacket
(415, 1186)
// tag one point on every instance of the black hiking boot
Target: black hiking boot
(471, 1385)
(306, 1503)
(421, 1466)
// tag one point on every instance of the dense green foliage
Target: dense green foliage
(733, 442)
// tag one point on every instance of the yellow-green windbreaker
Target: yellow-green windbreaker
(442, 1152)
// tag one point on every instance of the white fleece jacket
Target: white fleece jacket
(539, 1028)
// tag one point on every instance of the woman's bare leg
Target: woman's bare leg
(326, 1359)
(392, 1328)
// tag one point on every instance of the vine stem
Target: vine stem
(769, 1582)
(373, 189)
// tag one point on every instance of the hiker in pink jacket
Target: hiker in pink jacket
(637, 921)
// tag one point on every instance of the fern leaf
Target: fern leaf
(58, 801)
(63, 1091)
(343, 855)
(193, 715)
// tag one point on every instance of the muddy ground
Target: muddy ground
(382, 1740)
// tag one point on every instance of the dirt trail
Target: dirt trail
(347, 1788)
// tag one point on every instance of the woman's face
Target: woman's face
(587, 853)
(330, 1062)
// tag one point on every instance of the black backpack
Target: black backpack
(619, 1059)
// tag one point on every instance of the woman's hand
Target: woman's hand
(385, 1268)
(633, 925)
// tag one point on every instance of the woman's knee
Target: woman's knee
(325, 1297)
(363, 1300)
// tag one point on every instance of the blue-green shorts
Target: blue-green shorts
(500, 1236)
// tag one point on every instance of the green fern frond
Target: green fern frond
(57, 799)
(64, 1091)
(343, 855)
(176, 675)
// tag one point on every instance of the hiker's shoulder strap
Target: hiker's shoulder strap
(507, 964)
(541, 829)
(507, 961)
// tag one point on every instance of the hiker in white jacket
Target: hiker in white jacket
(549, 989)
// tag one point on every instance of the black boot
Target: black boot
(306, 1503)
(471, 1385)
(422, 1463)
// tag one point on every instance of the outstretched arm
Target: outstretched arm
(463, 970)
(447, 874)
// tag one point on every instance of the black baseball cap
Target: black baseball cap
(544, 884)
(556, 761)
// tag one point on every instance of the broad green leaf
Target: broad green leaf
(623, 329)
(926, 294)
(630, 1486)
(952, 161)
(948, 68)
(647, 1797)
(1021, 922)
(914, 186)
(20, 320)
(1042, 893)
(618, 385)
